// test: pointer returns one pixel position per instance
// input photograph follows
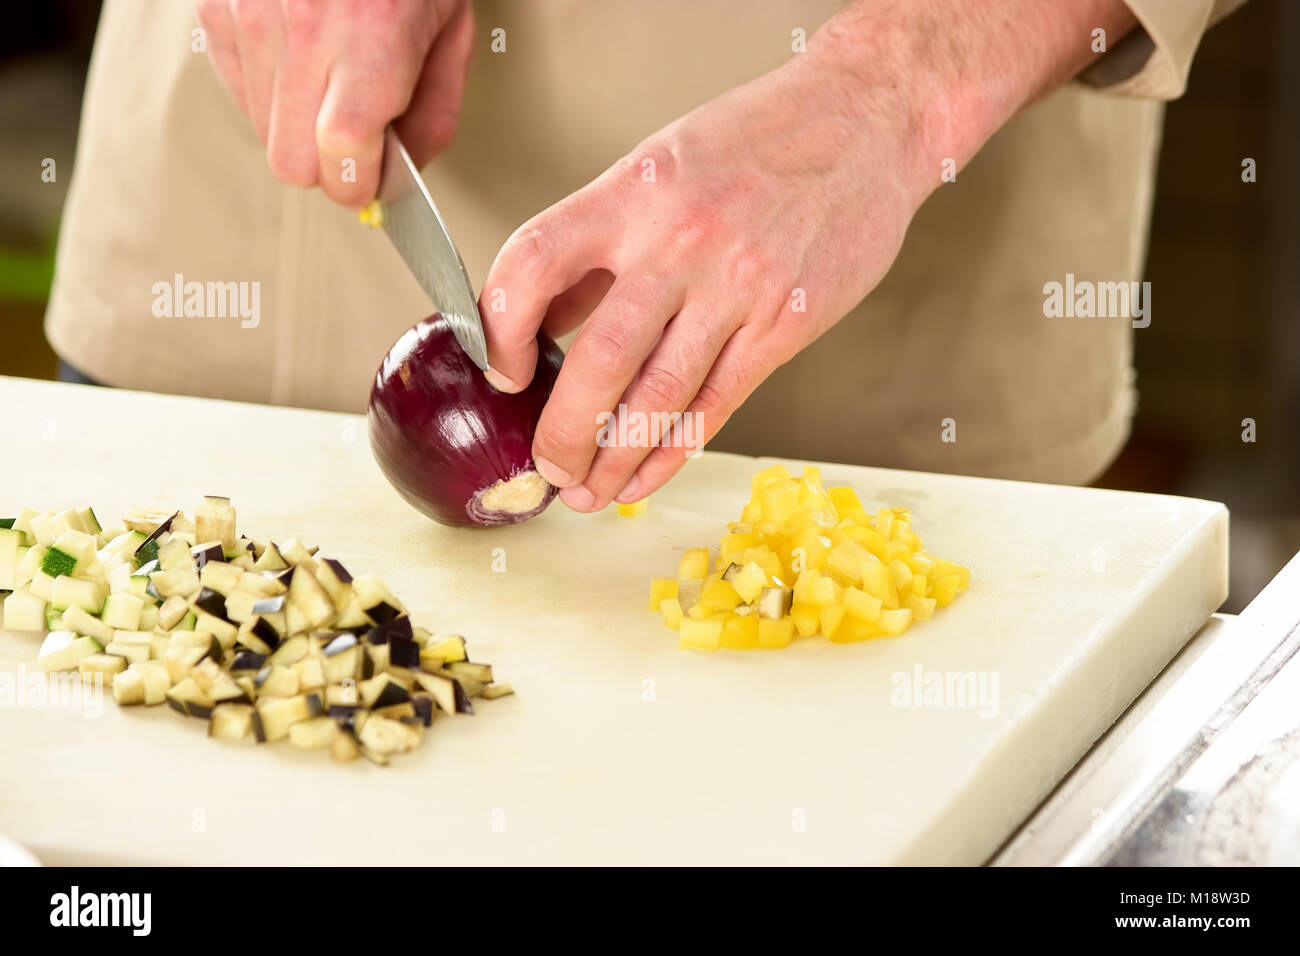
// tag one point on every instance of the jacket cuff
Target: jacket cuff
(1154, 59)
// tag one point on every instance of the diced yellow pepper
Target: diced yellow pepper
(699, 612)
(749, 582)
(765, 559)
(753, 511)
(806, 619)
(671, 609)
(846, 558)
(861, 605)
(781, 501)
(877, 580)
(733, 544)
(633, 509)
(847, 504)
(694, 563)
(902, 574)
(831, 616)
(945, 589)
(719, 595)
(700, 635)
(852, 630)
(920, 584)
(884, 522)
(740, 633)
(921, 563)
(661, 588)
(922, 607)
(896, 621)
(774, 634)
(963, 578)
(766, 477)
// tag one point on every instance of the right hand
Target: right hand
(320, 81)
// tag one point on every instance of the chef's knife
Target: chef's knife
(416, 228)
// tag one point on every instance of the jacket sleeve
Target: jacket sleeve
(1154, 59)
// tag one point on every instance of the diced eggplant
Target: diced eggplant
(424, 707)
(247, 661)
(396, 711)
(215, 521)
(270, 605)
(180, 661)
(384, 737)
(165, 584)
(774, 603)
(259, 584)
(314, 734)
(148, 548)
(311, 673)
(208, 551)
(187, 698)
(342, 694)
(294, 552)
(270, 560)
(273, 716)
(403, 652)
(221, 576)
(376, 600)
(497, 690)
(275, 680)
(105, 664)
(174, 555)
(128, 688)
(291, 651)
(239, 606)
(381, 691)
(376, 661)
(213, 602)
(310, 597)
(219, 628)
(343, 746)
(460, 670)
(399, 627)
(231, 721)
(172, 612)
(441, 689)
(335, 579)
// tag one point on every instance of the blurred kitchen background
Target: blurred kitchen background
(1224, 263)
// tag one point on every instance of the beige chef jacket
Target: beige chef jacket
(170, 181)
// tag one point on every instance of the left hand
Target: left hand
(702, 261)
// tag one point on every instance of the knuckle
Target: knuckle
(751, 267)
(664, 388)
(604, 348)
(251, 15)
(530, 251)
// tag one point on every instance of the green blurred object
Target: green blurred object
(26, 276)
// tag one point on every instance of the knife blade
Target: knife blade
(417, 231)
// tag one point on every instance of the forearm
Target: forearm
(950, 73)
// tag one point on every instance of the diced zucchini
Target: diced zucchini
(122, 612)
(73, 592)
(83, 622)
(62, 650)
(11, 543)
(24, 611)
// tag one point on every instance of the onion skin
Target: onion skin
(445, 438)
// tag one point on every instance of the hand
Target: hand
(320, 81)
(734, 237)
(702, 261)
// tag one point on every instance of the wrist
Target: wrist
(944, 75)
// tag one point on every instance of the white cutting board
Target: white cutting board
(618, 747)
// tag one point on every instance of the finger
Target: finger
(574, 305)
(546, 255)
(597, 369)
(259, 37)
(732, 379)
(429, 123)
(663, 389)
(214, 16)
(364, 91)
(299, 89)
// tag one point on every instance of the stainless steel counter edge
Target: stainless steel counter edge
(1172, 723)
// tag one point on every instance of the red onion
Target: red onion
(452, 445)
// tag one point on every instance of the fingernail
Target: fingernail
(629, 491)
(556, 476)
(578, 498)
(499, 381)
